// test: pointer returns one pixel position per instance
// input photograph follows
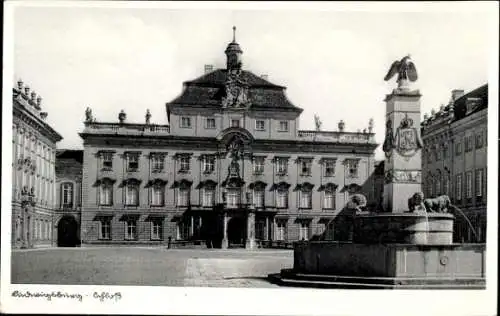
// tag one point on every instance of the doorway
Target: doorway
(67, 232)
(236, 232)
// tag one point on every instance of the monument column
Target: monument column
(402, 147)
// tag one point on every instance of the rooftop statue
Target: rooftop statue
(405, 68)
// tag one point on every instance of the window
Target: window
(459, 187)
(280, 230)
(131, 194)
(260, 229)
(445, 151)
(107, 160)
(106, 194)
(210, 123)
(438, 184)
(156, 230)
(67, 195)
(105, 229)
(282, 198)
(329, 200)
(185, 122)
(235, 123)
(305, 167)
(479, 140)
(130, 229)
(352, 168)
(233, 197)
(304, 231)
(283, 126)
(208, 164)
(259, 125)
(185, 163)
(208, 197)
(183, 197)
(458, 148)
(479, 182)
(468, 184)
(157, 195)
(258, 198)
(183, 231)
(329, 168)
(258, 165)
(468, 143)
(157, 163)
(446, 185)
(305, 199)
(132, 162)
(281, 166)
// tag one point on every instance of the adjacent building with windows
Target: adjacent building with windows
(67, 213)
(232, 168)
(455, 158)
(33, 171)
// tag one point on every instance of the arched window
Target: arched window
(131, 194)
(106, 193)
(67, 194)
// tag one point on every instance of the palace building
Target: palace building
(454, 161)
(232, 168)
(33, 171)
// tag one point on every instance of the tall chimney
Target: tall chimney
(209, 68)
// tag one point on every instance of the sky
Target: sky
(332, 62)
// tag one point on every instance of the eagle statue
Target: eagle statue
(405, 68)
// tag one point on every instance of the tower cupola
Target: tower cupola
(233, 53)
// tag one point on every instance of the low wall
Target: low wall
(390, 260)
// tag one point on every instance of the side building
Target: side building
(33, 171)
(231, 169)
(455, 158)
(67, 214)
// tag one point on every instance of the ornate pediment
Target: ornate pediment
(236, 91)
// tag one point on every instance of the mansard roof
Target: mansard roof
(460, 106)
(209, 89)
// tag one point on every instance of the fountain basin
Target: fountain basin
(352, 265)
(404, 228)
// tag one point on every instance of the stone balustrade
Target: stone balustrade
(126, 128)
(340, 137)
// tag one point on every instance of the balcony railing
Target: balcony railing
(126, 128)
(340, 137)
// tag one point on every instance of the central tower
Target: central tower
(233, 54)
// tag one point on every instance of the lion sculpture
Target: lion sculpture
(440, 204)
(416, 202)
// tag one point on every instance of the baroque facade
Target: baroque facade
(67, 213)
(455, 158)
(232, 168)
(33, 171)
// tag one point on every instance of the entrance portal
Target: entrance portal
(67, 232)
(236, 232)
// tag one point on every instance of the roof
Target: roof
(69, 163)
(460, 105)
(74, 154)
(209, 89)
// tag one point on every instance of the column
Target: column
(191, 227)
(25, 228)
(250, 242)
(225, 242)
(266, 234)
(402, 147)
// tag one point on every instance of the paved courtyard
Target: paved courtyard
(148, 266)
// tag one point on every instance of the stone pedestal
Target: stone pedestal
(402, 147)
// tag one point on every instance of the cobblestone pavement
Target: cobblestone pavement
(148, 266)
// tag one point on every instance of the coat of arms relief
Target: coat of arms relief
(406, 140)
(236, 91)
